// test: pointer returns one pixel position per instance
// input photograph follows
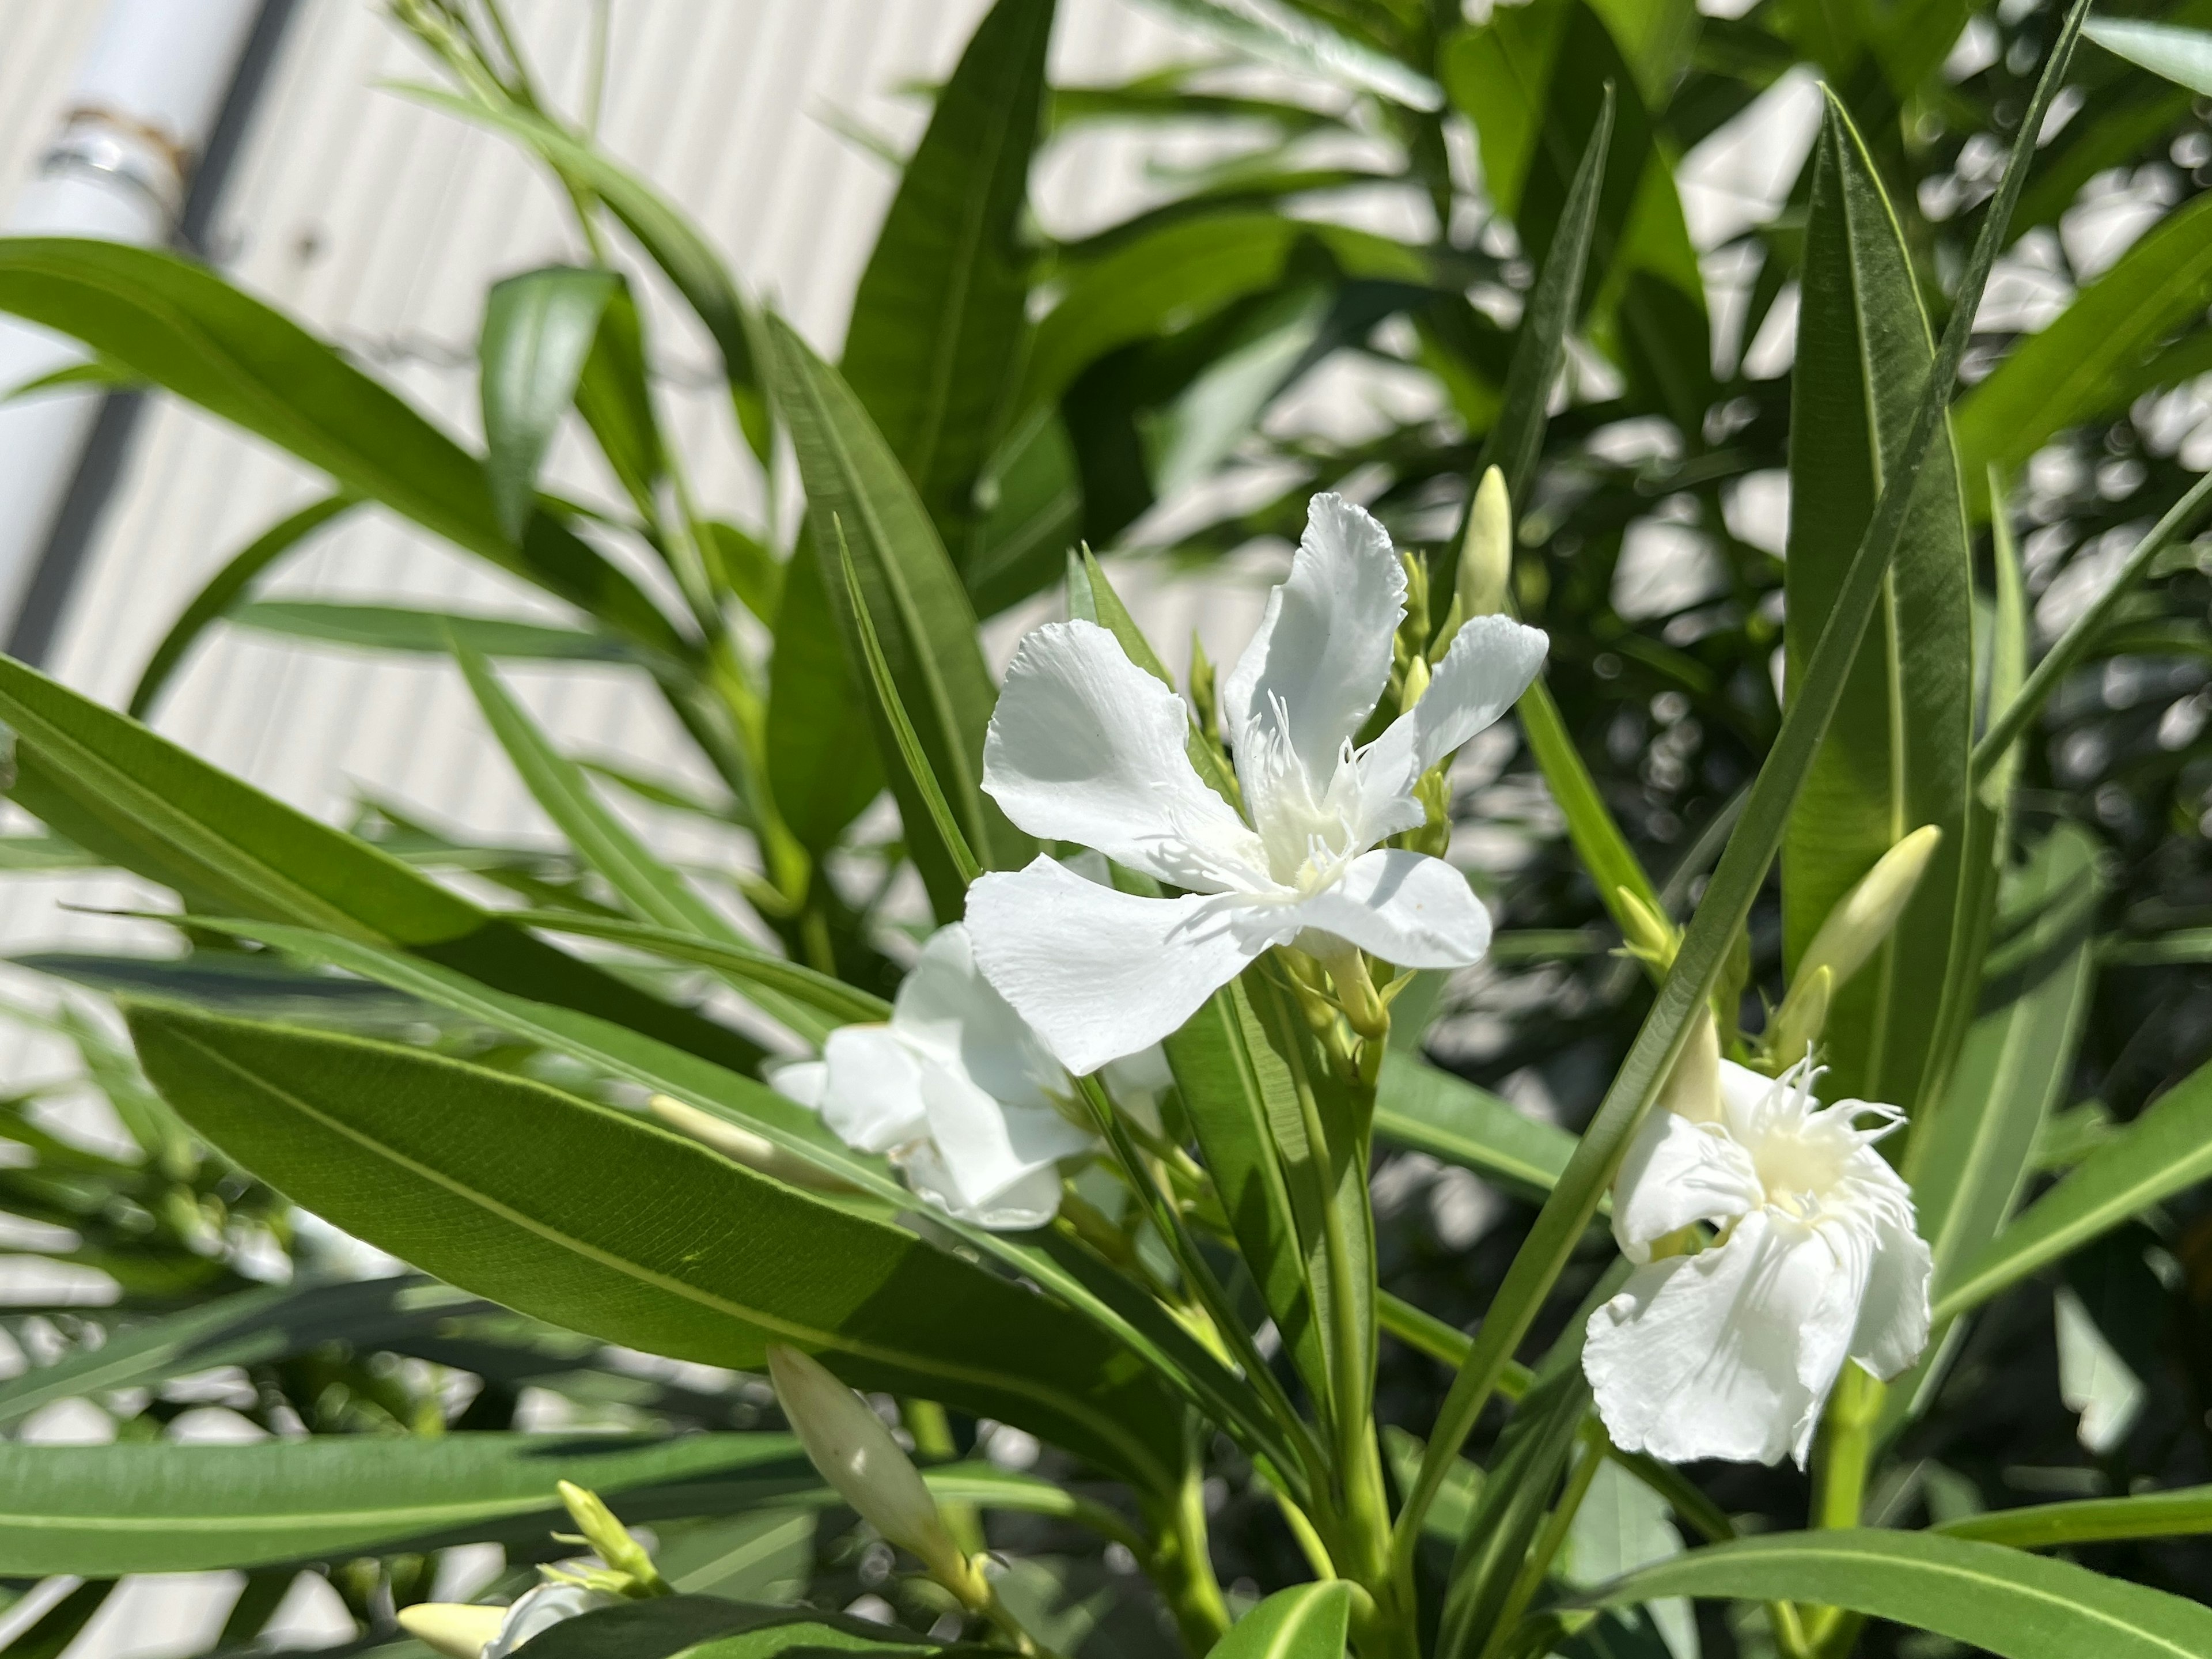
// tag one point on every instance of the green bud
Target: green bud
(611, 1541)
(1649, 936)
(741, 1145)
(1857, 928)
(1485, 553)
(1797, 1024)
(457, 1630)
(856, 1455)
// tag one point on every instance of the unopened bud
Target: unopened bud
(610, 1540)
(1201, 686)
(856, 1455)
(1858, 926)
(1485, 553)
(1798, 1022)
(741, 1145)
(459, 1631)
(1692, 1089)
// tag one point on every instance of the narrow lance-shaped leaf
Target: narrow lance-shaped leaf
(939, 320)
(1306, 1621)
(921, 617)
(225, 589)
(1895, 757)
(538, 333)
(401, 628)
(1736, 882)
(531, 1196)
(111, 785)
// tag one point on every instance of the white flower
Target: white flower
(1087, 747)
(535, 1612)
(955, 1089)
(468, 1631)
(1730, 1352)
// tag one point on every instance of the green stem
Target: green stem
(1181, 1567)
(1549, 1540)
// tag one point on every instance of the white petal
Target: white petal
(537, 1611)
(1894, 1314)
(946, 1009)
(1699, 1356)
(1085, 746)
(1677, 1172)
(1323, 648)
(803, 1080)
(872, 1100)
(1099, 974)
(1030, 1202)
(986, 1147)
(1490, 662)
(1405, 908)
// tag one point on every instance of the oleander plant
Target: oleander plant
(1517, 1117)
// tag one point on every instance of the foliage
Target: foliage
(1176, 1384)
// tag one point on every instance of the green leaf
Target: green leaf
(120, 791)
(914, 601)
(821, 778)
(106, 1510)
(2182, 56)
(1034, 491)
(223, 591)
(746, 567)
(538, 333)
(2184, 1513)
(1422, 1108)
(1294, 38)
(185, 329)
(2013, 1605)
(1895, 755)
(705, 1627)
(535, 1204)
(841, 1004)
(1307, 1621)
(1969, 1163)
(2166, 1150)
(1711, 934)
(2080, 367)
(398, 628)
(615, 398)
(939, 320)
(669, 239)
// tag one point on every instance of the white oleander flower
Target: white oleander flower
(954, 1089)
(1087, 747)
(1730, 1352)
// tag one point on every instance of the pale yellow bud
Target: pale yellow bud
(1802, 1016)
(456, 1631)
(856, 1455)
(1855, 928)
(1692, 1089)
(1485, 553)
(741, 1145)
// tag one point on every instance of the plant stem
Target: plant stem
(1181, 1567)
(1845, 1444)
(1549, 1540)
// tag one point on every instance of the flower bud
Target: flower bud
(1649, 936)
(610, 1540)
(459, 1631)
(1692, 1088)
(741, 1145)
(1855, 928)
(1798, 1022)
(856, 1455)
(1486, 552)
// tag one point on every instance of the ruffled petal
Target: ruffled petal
(947, 1010)
(1322, 653)
(871, 1097)
(1490, 662)
(1893, 1317)
(1700, 1356)
(1404, 908)
(1678, 1172)
(1085, 746)
(984, 1146)
(1030, 1202)
(1099, 974)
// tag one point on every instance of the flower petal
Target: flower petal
(1490, 662)
(1404, 908)
(871, 1097)
(1085, 746)
(1099, 974)
(1893, 1314)
(985, 1147)
(1699, 1356)
(1323, 648)
(1030, 1202)
(947, 1010)
(1677, 1172)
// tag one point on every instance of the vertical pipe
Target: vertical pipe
(142, 105)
